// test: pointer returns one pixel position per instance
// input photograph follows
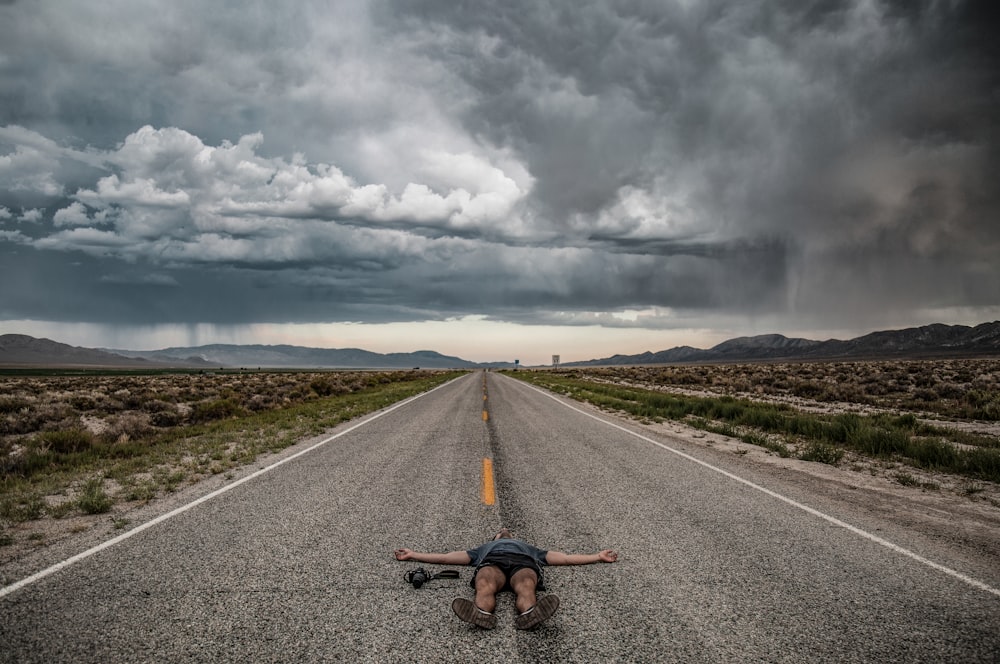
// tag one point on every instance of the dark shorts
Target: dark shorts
(509, 564)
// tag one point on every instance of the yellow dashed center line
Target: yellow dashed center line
(489, 493)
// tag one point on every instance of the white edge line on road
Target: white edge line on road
(826, 517)
(14, 587)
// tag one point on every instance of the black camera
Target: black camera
(417, 577)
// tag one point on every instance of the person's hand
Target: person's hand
(607, 556)
(404, 554)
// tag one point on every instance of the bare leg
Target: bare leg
(523, 582)
(531, 614)
(489, 581)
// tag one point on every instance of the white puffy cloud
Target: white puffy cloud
(92, 241)
(75, 214)
(31, 216)
(27, 169)
(16, 237)
(137, 191)
(192, 201)
(36, 164)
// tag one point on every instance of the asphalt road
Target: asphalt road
(296, 564)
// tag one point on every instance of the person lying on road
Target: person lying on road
(507, 563)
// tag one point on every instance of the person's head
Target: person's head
(503, 534)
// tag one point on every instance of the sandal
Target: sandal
(537, 614)
(467, 610)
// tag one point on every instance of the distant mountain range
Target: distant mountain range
(253, 356)
(916, 342)
(18, 350)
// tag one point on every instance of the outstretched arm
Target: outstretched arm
(451, 558)
(560, 558)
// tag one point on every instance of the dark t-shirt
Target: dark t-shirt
(507, 546)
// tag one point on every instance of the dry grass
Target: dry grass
(87, 444)
(114, 408)
(954, 388)
(929, 418)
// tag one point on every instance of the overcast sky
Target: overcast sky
(496, 180)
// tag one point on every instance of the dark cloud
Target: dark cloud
(747, 106)
(863, 129)
(824, 161)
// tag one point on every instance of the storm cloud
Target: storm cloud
(820, 165)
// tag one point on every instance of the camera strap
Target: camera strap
(443, 574)
(446, 574)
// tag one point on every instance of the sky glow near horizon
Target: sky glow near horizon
(514, 181)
